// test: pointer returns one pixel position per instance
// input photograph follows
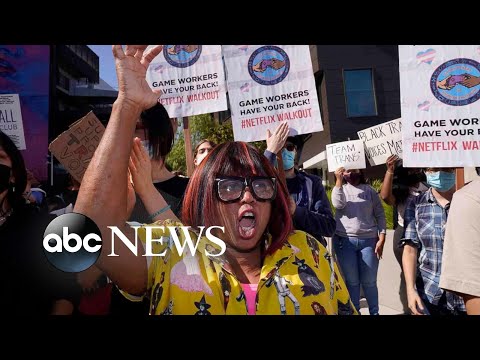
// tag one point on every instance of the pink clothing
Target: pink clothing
(250, 291)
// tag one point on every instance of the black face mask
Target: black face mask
(4, 177)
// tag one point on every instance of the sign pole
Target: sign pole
(459, 178)
(188, 147)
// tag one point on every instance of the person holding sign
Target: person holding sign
(425, 220)
(309, 205)
(360, 234)
(249, 261)
(400, 185)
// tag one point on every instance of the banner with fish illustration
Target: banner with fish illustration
(190, 79)
(270, 84)
(440, 92)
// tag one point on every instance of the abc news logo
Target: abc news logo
(72, 242)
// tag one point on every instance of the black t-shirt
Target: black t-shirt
(30, 284)
(172, 191)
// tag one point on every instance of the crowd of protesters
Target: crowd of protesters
(276, 259)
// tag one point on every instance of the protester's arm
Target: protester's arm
(409, 259)
(271, 157)
(461, 250)
(141, 170)
(319, 218)
(103, 194)
(386, 192)
(339, 201)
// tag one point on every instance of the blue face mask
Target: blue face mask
(441, 181)
(288, 158)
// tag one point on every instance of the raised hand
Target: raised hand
(141, 168)
(276, 141)
(391, 161)
(131, 65)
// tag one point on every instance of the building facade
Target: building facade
(358, 87)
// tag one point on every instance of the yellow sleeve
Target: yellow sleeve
(157, 253)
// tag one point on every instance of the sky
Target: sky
(107, 64)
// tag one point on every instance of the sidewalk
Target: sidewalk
(388, 282)
(384, 310)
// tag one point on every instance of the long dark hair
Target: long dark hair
(402, 181)
(15, 192)
(158, 131)
(239, 159)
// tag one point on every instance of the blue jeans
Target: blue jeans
(359, 265)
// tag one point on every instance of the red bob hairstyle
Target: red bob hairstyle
(234, 159)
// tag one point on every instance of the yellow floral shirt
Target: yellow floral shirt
(296, 279)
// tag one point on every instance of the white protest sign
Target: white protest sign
(191, 79)
(11, 122)
(381, 141)
(347, 154)
(268, 85)
(440, 92)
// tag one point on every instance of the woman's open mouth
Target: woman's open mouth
(246, 224)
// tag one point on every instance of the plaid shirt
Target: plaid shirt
(425, 222)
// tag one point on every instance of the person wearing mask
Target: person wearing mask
(256, 265)
(160, 131)
(31, 285)
(309, 205)
(461, 250)
(399, 186)
(425, 221)
(360, 235)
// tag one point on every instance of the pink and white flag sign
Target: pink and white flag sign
(270, 84)
(190, 78)
(440, 103)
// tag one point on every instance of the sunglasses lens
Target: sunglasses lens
(229, 190)
(290, 147)
(263, 188)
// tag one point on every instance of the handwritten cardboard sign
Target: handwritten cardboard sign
(75, 147)
(347, 154)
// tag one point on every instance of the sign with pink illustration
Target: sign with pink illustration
(270, 84)
(190, 79)
(440, 103)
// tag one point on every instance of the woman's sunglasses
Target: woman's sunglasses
(232, 188)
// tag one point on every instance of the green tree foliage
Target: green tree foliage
(202, 127)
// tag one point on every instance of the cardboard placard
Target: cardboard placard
(75, 147)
